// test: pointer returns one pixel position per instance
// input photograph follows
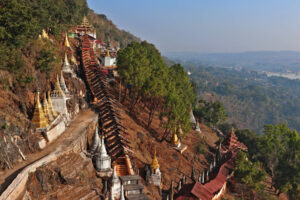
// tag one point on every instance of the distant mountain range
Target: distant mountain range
(272, 61)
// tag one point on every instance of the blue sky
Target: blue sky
(208, 25)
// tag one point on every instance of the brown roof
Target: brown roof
(210, 189)
(231, 143)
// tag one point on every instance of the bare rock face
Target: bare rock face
(71, 176)
(15, 142)
(44, 180)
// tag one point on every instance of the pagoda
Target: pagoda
(59, 99)
(84, 27)
(46, 109)
(57, 92)
(109, 62)
(231, 143)
(50, 106)
(63, 85)
(155, 177)
(66, 42)
(175, 141)
(96, 142)
(115, 188)
(154, 164)
(66, 66)
(39, 120)
(103, 161)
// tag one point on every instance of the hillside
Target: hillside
(30, 64)
(79, 124)
(109, 32)
(251, 99)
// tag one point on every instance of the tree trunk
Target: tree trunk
(134, 102)
(150, 118)
(124, 95)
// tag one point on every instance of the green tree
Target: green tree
(213, 113)
(250, 173)
(279, 150)
(154, 89)
(133, 67)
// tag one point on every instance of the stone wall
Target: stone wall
(56, 131)
(18, 186)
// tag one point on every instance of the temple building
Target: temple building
(133, 188)
(93, 35)
(213, 185)
(109, 62)
(155, 177)
(84, 27)
(103, 160)
(39, 120)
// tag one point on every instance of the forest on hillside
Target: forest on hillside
(251, 99)
(23, 55)
(168, 90)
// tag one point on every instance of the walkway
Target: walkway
(81, 121)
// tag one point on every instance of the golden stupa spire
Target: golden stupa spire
(46, 109)
(67, 44)
(44, 34)
(154, 164)
(73, 59)
(85, 21)
(50, 106)
(175, 140)
(57, 90)
(39, 120)
(107, 53)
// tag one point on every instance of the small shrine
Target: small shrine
(176, 141)
(155, 177)
(103, 160)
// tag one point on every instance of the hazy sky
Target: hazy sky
(208, 25)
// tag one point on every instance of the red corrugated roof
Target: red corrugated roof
(210, 189)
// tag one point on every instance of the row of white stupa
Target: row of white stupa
(103, 164)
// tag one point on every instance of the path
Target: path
(81, 121)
